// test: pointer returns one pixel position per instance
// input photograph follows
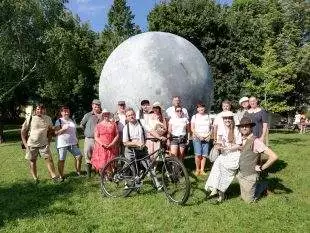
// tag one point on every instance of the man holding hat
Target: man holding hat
(249, 162)
(244, 106)
(88, 123)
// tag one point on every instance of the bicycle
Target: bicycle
(120, 176)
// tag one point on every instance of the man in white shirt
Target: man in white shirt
(134, 138)
(176, 102)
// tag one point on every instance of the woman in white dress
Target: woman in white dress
(229, 142)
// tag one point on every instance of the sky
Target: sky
(95, 11)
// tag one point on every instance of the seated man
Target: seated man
(249, 166)
(134, 141)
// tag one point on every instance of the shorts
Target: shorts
(74, 150)
(201, 148)
(88, 149)
(180, 141)
(33, 152)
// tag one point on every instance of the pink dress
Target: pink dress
(106, 132)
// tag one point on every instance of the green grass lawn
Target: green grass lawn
(77, 205)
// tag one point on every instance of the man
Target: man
(218, 122)
(176, 102)
(134, 138)
(34, 134)
(244, 106)
(249, 167)
(143, 110)
(88, 123)
(120, 120)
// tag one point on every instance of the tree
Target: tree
(119, 28)
(270, 81)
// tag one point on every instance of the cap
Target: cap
(121, 102)
(143, 102)
(227, 114)
(156, 104)
(243, 99)
(96, 101)
(105, 111)
(246, 121)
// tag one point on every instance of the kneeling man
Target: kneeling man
(249, 167)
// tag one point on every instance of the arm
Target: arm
(272, 157)
(84, 121)
(115, 139)
(24, 133)
(265, 127)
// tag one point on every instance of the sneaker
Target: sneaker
(196, 173)
(55, 179)
(202, 173)
(160, 187)
(213, 193)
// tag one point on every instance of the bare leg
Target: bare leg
(78, 163)
(50, 166)
(33, 168)
(174, 150)
(197, 162)
(61, 165)
(202, 164)
(182, 153)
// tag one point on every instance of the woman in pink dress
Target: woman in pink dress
(106, 137)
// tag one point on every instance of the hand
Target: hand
(163, 138)
(258, 168)
(65, 126)
(104, 146)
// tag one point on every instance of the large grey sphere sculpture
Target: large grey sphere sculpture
(155, 66)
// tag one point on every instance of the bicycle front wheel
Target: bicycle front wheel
(117, 177)
(175, 181)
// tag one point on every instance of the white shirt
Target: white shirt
(178, 126)
(135, 132)
(68, 137)
(172, 114)
(202, 124)
(223, 136)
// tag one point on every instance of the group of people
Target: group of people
(301, 121)
(237, 137)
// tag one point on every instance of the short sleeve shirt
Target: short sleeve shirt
(38, 128)
(135, 132)
(68, 137)
(202, 124)
(178, 126)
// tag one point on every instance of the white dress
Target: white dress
(225, 166)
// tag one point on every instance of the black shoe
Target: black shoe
(88, 170)
(55, 179)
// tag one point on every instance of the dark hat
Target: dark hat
(143, 102)
(96, 101)
(246, 121)
(121, 102)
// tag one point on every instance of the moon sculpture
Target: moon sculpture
(155, 66)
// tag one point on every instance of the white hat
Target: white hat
(156, 104)
(227, 114)
(105, 111)
(243, 99)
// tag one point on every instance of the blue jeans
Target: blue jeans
(201, 147)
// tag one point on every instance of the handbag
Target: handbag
(214, 153)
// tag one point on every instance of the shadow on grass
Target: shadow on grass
(277, 166)
(27, 199)
(285, 140)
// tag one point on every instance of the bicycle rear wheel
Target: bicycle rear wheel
(117, 177)
(175, 181)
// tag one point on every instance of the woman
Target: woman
(178, 130)
(201, 130)
(259, 117)
(303, 123)
(157, 128)
(106, 137)
(223, 170)
(66, 140)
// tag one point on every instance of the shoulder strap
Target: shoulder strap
(143, 132)
(59, 122)
(128, 134)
